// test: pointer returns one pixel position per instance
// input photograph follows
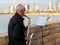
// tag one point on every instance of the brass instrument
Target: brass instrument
(28, 31)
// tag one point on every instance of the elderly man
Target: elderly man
(16, 28)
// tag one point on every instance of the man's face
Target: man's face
(21, 12)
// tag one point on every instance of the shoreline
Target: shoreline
(34, 14)
(6, 33)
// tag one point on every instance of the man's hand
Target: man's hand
(26, 27)
(27, 38)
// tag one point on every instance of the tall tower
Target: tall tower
(35, 6)
(13, 9)
(8, 10)
(27, 7)
(57, 6)
(50, 6)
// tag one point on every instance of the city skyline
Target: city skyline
(50, 8)
(43, 4)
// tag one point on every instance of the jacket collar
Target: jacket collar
(20, 17)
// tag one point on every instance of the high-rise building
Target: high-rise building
(57, 6)
(12, 9)
(27, 7)
(8, 10)
(50, 7)
(36, 8)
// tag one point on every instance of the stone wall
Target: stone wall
(4, 40)
(46, 35)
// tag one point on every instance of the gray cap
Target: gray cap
(20, 6)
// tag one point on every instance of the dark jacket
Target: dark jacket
(16, 30)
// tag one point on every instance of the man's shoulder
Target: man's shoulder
(14, 20)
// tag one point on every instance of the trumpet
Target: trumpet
(28, 31)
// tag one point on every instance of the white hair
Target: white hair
(19, 7)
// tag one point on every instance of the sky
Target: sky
(43, 4)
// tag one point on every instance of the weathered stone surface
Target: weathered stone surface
(49, 34)
(50, 43)
(46, 35)
(4, 40)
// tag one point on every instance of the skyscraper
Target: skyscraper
(8, 10)
(12, 9)
(36, 8)
(50, 7)
(27, 7)
(57, 6)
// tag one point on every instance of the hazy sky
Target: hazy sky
(41, 3)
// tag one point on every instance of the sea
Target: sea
(4, 20)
